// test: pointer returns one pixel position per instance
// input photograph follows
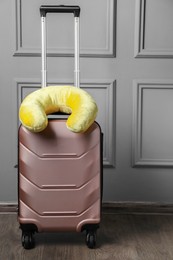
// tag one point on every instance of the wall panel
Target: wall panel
(154, 23)
(97, 32)
(153, 123)
(102, 92)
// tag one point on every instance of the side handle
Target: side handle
(44, 9)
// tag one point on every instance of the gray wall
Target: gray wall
(126, 64)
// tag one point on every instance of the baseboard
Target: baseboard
(137, 208)
(8, 208)
(114, 208)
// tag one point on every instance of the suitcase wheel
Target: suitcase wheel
(91, 238)
(28, 240)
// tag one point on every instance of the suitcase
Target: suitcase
(60, 172)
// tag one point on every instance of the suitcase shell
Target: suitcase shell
(59, 178)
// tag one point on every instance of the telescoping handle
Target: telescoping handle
(44, 9)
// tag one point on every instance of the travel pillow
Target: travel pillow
(67, 99)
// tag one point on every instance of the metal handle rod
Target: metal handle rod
(43, 52)
(76, 54)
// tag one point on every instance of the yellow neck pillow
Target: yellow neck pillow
(67, 99)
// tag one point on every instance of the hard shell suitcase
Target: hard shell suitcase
(60, 172)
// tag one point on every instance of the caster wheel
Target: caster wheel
(91, 239)
(28, 240)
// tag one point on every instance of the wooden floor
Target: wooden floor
(121, 236)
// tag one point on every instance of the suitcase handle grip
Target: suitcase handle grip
(44, 9)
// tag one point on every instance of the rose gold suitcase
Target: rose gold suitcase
(60, 172)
